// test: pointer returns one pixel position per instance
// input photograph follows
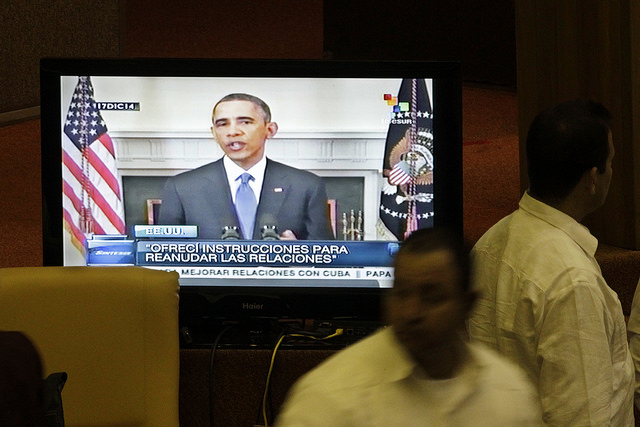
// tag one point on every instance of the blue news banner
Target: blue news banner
(320, 263)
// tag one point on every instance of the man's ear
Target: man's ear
(591, 177)
(272, 129)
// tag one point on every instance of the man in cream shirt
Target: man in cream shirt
(543, 302)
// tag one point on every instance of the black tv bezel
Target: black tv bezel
(310, 302)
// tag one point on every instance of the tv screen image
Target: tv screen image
(362, 154)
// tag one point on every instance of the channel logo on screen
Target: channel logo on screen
(398, 107)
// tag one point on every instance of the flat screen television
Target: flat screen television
(382, 140)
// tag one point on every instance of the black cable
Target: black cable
(211, 382)
(298, 334)
(261, 409)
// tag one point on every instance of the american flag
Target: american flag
(400, 174)
(406, 199)
(92, 192)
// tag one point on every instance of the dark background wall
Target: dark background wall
(222, 28)
(30, 30)
(479, 34)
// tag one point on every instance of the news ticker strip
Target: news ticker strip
(383, 276)
(174, 251)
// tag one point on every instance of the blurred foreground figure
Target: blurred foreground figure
(419, 371)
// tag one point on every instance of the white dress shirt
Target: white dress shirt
(374, 383)
(545, 305)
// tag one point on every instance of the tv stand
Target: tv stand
(232, 389)
(260, 333)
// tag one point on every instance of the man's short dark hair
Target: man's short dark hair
(246, 97)
(563, 143)
(425, 240)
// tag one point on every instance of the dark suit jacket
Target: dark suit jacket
(291, 199)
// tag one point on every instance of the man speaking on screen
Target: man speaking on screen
(244, 189)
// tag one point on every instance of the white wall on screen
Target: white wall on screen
(184, 104)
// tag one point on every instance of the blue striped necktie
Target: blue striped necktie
(246, 205)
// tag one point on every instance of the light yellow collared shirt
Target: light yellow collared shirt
(545, 305)
(374, 383)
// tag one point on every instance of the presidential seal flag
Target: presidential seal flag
(92, 191)
(406, 200)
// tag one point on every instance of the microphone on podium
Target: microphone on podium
(230, 232)
(270, 232)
